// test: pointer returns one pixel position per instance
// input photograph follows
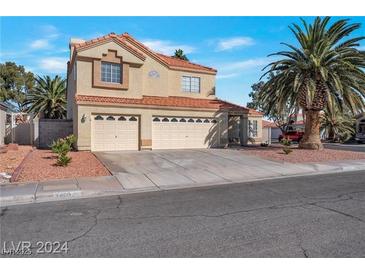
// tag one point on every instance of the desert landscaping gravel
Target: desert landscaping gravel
(276, 153)
(10, 159)
(40, 166)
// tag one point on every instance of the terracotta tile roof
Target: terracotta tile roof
(171, 101)
(254, 112)
(268, 124)
(166, 60)
(109, 37)
(175, 62)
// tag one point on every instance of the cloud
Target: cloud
(361, 48)
(167, 47)
(246, 64)
(40, 44)
(226, 76)
(49, 31)
(234, 42)
(53, 64)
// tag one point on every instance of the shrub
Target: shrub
(287, 150)
(63, 160)
(61, 147)
(286, 143)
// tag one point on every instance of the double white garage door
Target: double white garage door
(120, 132)
(182, 132)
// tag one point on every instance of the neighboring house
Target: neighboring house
(123, 96)
(270, 132)
(3, 109)
(360, 128)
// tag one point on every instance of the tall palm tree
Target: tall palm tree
(325, 66)
(48, 97)
(179, 53)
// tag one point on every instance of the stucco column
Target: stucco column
(243, 130)
(146, 131)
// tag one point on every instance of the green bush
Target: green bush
(286, 143)
(287, 150)
(61, 147)
(63, 160)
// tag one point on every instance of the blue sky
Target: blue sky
(236, 46)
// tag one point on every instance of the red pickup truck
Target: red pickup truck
(292, 134)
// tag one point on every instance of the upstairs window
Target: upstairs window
(190, 84)
(110, 72)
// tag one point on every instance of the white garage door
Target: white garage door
(184, 132)
(114, 132)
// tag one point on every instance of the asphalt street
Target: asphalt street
(315, 216)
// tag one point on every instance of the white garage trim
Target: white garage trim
(184, 132)
(114, 132)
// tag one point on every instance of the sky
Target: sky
(238, 47)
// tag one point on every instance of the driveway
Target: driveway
(348, 147)
(173, 168)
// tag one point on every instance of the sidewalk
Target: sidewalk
(127, 183)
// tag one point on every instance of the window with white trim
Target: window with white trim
(190, 84)
(110, 72)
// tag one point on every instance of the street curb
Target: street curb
(80, 194)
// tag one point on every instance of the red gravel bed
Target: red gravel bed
(11, 159)
(40, 166)
(276, 153)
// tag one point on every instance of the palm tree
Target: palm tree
(337, 125)
(48, 97)
(179, 53)
(324, 67)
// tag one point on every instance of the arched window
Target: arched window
(156, 119)
(110, 118)
(165, 119)
(182, 120)
(214, 121)
(191, 120)
(133, 119)
(122, 118)
(98, 118)
(206, 121)
(199, 121)
(173, 120)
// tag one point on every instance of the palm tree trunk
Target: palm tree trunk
(311, 138)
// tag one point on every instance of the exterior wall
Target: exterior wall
(83, 132)
(266, 135)
(207, 84)
(71, 90)
(85, 81)
(2, 126)
(258, 138)
(166, 83)
(50, 130)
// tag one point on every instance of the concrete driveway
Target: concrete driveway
(173, 168)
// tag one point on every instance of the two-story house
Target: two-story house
(121, 95)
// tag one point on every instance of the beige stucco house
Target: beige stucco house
(121, 95)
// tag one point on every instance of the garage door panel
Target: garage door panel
(112, 132)
(193, 133)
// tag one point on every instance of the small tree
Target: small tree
(179, 53)
(15, 83)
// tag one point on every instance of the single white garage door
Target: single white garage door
(184, 132)
(114, 132)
